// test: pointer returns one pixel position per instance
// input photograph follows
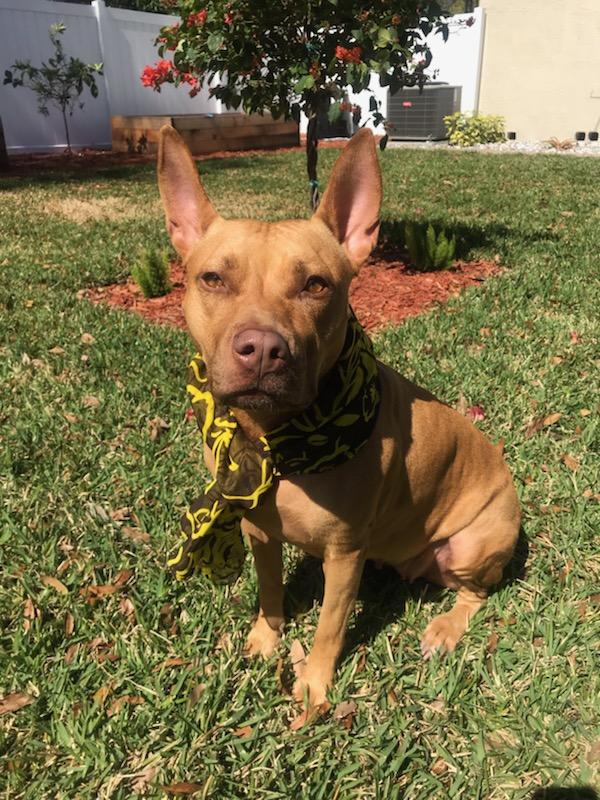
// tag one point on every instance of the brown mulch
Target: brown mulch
(89, 158)
(385, 292)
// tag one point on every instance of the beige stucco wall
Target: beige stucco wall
(541, 66)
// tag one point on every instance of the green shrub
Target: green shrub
(151, 273)
(466, 129)
(427, 248)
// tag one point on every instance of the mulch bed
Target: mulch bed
(88, 158)
(385, 292)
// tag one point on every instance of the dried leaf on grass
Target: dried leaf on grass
(171, 662)
(54, 583)
(135, 534)
(593, 753)
(101, 694)
(439, 766)
(344, 713)
(119, 514)
(71, 652)
(243, 732)
(92, 594)
(196, 693)
(143, 778)
(570, 462)
(126, 699)
(30, 613)
(90, 401)
(15, 701)
(157, 427)
(492, 642)
(126, 607)
(181, 788)
(69, 624)
(539, 423)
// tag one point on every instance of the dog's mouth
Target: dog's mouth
(279, 391)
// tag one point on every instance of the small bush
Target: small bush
(429, 249)
(466, 129)
(151, 273)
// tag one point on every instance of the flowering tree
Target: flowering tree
(289, 57)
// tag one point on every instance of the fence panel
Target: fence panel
(24, 28)
(123, 40)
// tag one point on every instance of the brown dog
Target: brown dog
(427, 493)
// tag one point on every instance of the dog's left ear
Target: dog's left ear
(352, 201)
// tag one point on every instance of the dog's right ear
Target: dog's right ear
(188, 210)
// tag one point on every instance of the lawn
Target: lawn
(134, 681)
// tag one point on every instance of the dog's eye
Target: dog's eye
(212, 280)
(315, 285)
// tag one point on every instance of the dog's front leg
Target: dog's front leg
(342, 579)
(266, 631)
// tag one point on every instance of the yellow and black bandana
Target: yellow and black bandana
(329, 432)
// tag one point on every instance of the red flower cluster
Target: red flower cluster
(155, 76)
(228, 19)
(163, 72)
(197, 18)
(351, 55)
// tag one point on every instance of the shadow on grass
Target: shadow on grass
(39, 171)
(382, 592)
(469, 237)
(565, 793)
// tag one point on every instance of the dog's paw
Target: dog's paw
(311, 688)
(442, 634)
(262, 640)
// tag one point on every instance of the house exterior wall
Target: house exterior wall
(541, 66)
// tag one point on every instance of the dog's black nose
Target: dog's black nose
(260, 351)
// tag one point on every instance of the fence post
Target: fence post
(105, 24)
(4, 165)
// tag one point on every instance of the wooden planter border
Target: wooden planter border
(205, 133)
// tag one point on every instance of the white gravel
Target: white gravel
(515, 146)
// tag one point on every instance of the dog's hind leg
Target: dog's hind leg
(471, 561)
(266, 631)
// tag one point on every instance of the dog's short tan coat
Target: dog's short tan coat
(428, 493)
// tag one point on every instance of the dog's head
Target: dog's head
(267, 303)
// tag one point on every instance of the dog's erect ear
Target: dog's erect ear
(188, 210)
(351, 203)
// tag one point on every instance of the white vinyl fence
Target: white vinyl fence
(122, 40)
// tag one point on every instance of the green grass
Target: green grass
(500, 717)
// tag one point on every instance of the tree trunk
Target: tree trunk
(64, 114)
(4, 165)
(312, 155)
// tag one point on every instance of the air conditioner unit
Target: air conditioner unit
(419, 115)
